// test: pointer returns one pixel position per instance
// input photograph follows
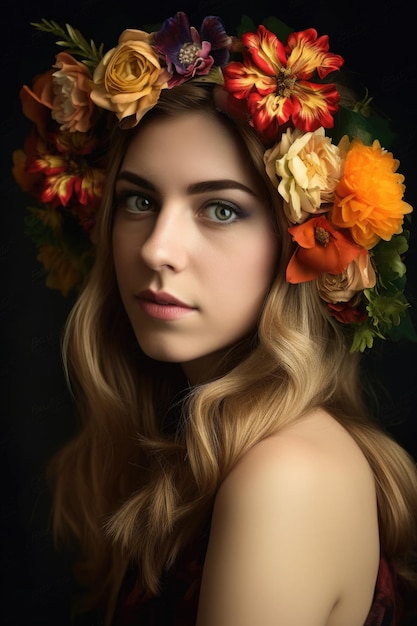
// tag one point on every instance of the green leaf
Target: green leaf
(367, 128)
(37, 228)
(73, 40)
(279, 28)
(363, 337)
(272, 23)
(385, 310)
(388, 258)
(246, 25)
(405, 330)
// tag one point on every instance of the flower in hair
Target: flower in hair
(129, 78)
(321, 249)
(364, 211)
(340, 190)
(62, 272)
(352, 313)
(306, 166)
(65, 178)
(348, 284)
(72, 107)
(190, 53)
(276, 80)
(369, 196)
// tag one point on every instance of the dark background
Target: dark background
(377, 40)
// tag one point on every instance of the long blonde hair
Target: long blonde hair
(121, 486)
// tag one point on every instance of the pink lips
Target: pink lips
(162, 305)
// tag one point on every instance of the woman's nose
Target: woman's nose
(166, 244)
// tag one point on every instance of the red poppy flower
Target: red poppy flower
(321, 248)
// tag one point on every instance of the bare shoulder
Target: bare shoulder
(317, 449)
(295, 520)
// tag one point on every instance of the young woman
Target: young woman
(226, 471)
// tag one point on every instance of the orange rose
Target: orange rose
(63, 95)
(72, 107)
(37, 102)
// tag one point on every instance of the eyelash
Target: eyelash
(124, 201)
(222, 204)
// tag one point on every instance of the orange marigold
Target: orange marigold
(62, 272)
(368, 198)
(27, 181)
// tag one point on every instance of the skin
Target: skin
(294, 537)
(179, 229)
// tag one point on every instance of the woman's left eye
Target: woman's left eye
(222, 212)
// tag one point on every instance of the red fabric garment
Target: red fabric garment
(178, 601)
(383, 610)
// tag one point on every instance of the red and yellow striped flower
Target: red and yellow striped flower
(275, 80)
(68, 175)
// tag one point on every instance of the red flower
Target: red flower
(67, 171)
(276, 80)
(347, 312)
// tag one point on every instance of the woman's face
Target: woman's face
(193, 242)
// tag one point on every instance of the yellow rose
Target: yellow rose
(359, 275)
(129, 78)
(308, 167)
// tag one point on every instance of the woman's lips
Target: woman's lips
(162, 306)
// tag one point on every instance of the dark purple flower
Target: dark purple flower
(190, 53)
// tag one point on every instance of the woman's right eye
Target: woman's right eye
(136, 203)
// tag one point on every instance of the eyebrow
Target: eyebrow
(194, 188)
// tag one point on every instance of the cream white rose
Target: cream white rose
(359, 275)
(307, 168)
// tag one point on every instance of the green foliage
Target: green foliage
(73, 40)
(279, 28)
(46, 231)
(386, 304)
(388, 258)
(38, 229)
(367, 127)
(363, 337)
(385, 309)
(276, 26)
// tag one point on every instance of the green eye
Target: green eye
(222, 212)
(138, 204)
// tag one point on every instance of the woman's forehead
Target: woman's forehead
(190, 142)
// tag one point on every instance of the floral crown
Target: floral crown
(340, 189)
